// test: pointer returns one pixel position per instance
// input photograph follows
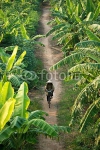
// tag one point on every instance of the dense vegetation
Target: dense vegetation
(18, 26)
(76, 27)
(19, 123)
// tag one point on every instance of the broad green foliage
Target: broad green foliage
(6, 112)
(71, 19)
(76, 27)
(6, 93)
(22, 102)
(11, 60)
(45, 127)
(17, 121)
(91, 111)
(11, 68)
(19, 20)
(92, 36)
(7, 103)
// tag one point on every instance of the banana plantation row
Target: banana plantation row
(76, 27)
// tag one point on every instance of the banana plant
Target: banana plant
(11, 64)
(7, 103)
(69, 21)
(18, 20)
(84, 65)
(17, 123)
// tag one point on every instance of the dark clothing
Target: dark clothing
(49, 89)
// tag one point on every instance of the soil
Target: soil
(50, 54)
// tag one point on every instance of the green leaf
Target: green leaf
(11, 59)
(92, 36)
(85, 68)
(15, 81)
(5, 133)
(18, 122)
(37, 36)
(22, 101)
(58, 35)
(37, 114)
(62, 128)
(78, 19)
(20, 59)
(2, 15)
(6, 92)
(90, 6)
(86, 94)
(1, 37)
(24, 32)
(1, 84)
(89, 16)
(91, 111)
(60, 15)
(44, 126)
(83, 4)
(97, 11)
(56, 28)
(4, 57)
(93, 54)
(72, 59)
(85, 44)
(6, 112)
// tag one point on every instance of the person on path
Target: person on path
(49, 89)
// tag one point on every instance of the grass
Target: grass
(67, 100)
(73, 140)
(64, 110)
(35, 104)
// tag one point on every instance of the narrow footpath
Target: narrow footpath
(50, 56)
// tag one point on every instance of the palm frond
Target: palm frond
(89, 93)
(37, 43)
(85, 44)
(91, 111)
(14, 80)
(69, 43)
(97, 131)
(86, 68)
(37, 36)
(44, 126)
(90, 6)
(97, 11)
(61, 128)
(58, 35)
(82, 82)
(59, 15)
(62, 39)
(69, 60)
(92, 36)
(37, 114)
(55, 28)
(3, 56)
(92, 53)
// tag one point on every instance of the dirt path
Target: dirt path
(50, 56)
